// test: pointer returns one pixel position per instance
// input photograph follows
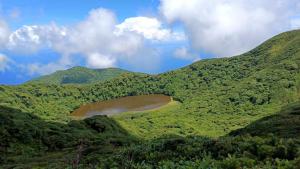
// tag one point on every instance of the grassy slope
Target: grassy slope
(284, 124)
(221, 95)
(149, 124)
(23, 135)
(217, 96)
(79, 75)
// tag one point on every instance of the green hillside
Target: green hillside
(79, 75)
(284, 124)
(25, 135)
(214, 97)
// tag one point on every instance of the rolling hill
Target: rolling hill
(240, 95)
(79, 75)
(284, 124)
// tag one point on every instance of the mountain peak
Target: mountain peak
(79, 75)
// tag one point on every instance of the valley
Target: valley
(237, 112)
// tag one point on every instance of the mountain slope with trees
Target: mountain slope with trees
(217, 97)
(79, 75)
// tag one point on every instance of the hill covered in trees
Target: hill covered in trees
(79, 75)
(216, 98)
(284, 124)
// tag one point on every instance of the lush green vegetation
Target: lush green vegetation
(79, 75)
(271, 142)
(23, 135)
(198, 152)
(284, 124)
(213, 98)
(28, 141)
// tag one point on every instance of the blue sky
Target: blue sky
(153, 36)
(71, 11)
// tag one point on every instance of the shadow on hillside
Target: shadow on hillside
(25, 136)
(284, 124)
(27, 141)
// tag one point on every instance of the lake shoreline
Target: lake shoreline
(121, 105)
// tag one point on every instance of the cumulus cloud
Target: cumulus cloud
(4, 61)
(97, 60)
(4, 33)
(94, 38)
(225, 27)
(99, 39)
(43, 69)
(32, 38)
(186, 54)
(150, 28)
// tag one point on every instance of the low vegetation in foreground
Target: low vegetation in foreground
(239, 112)
(99, 142)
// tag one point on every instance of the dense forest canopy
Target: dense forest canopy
(79, 75)
(215, 98)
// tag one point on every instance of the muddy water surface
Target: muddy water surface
(124, 104)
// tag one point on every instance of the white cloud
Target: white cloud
(226, 27)
(4, 33)
(184, 53)
(97, 60)
(95, 39)
(30, 39)
(295, 23)
(4, 61)
(43, 69)
(150, 28)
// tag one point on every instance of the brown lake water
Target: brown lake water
(120, 105)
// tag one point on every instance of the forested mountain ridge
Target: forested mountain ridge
(267, 76)
(79, 75)
(217, 96)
